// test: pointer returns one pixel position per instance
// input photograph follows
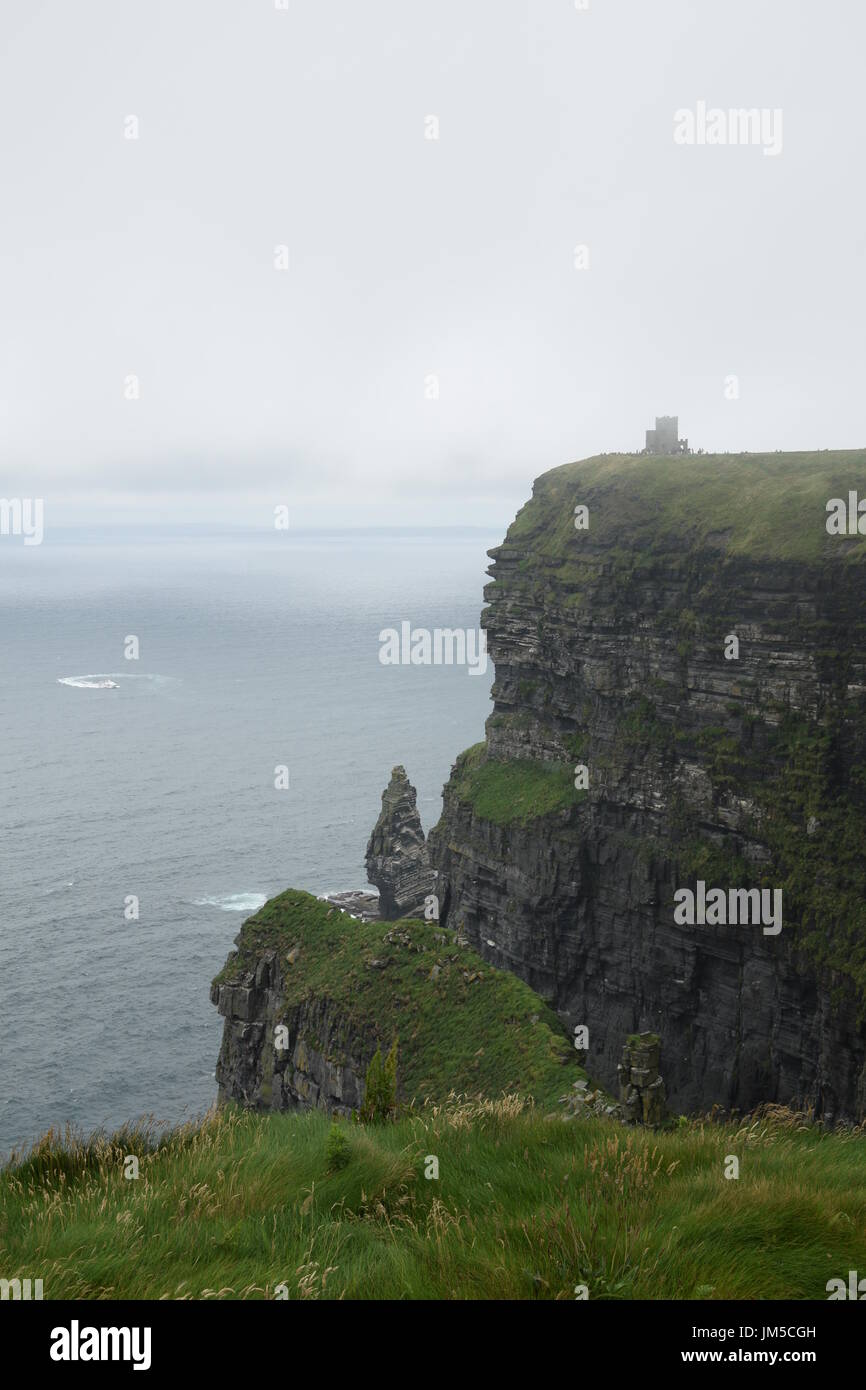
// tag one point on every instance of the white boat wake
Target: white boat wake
(110, 680)
(89, 682)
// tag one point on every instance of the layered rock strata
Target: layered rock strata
(267, 1069)
(398, 861)
(695, 759)
(641, 1088)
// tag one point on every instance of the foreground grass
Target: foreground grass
(525, 1206)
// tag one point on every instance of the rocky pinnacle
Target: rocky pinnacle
(398, 861)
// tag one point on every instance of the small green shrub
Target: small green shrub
(380, 1091)
(337, 1148)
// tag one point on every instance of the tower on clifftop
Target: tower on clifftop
(664, 439)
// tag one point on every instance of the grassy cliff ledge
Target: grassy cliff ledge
(512, 792)
(462, 1025)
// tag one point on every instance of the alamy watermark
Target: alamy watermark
(20, 1289)
(721, 907)
(846, 518)
(23, 516)
(444, 646)
(713, 125)
(77, 1343)
(855, 1288)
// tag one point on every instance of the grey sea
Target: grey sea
(154, 779)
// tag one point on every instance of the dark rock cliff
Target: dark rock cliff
(738, 768)
(318, 1061)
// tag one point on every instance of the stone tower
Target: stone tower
(664, 439)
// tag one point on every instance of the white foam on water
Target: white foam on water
(234, 902)
(89, 682)
(59, 888)
(109, 680)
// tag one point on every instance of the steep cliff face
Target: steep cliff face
(318, 1062)
(737, 764)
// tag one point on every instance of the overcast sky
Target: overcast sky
(411, 258)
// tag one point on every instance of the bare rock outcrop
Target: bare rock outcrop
(641, 1088)
(275, 1056)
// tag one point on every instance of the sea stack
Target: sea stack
(398, 861)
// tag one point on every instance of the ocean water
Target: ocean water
(255, 650)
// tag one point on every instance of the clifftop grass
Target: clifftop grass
(525, 1207)
(764, 506)
(464, 1027)
(512, 792)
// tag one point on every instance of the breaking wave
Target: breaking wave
(234, 902)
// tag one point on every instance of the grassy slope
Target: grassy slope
(513, 792)
(771, 506)
(454, 1034)
(524, 1207)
